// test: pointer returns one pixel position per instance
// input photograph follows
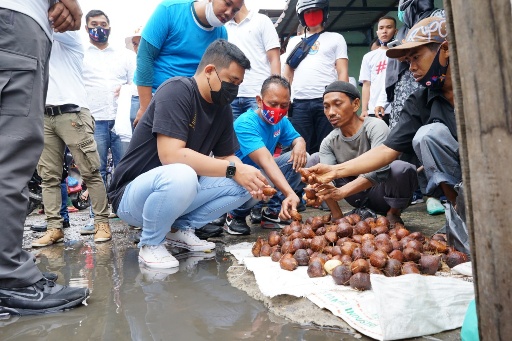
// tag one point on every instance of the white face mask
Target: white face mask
(211, 17)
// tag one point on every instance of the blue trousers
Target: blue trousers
(242, 104)
(438, 152)
(105, 139)
(134, 107)
(64, 206)
(173, 195)
(309, 120)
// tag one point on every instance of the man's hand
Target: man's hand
(322, 173)
(251, 179)
(329, 191)
(298, 156)
(65, 15)
(140, 112)
(379, 112)
(117, 91)
(289, 204)
(364, 113)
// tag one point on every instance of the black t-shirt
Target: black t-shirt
(423, 107)
(177, 110)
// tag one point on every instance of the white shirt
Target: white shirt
(36, 9)
(373, 69)
(123, 126)
(255, 35)
(318, 69)
(65, 85)
(105, 71)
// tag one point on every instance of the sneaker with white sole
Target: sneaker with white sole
(236, 225)
(417, 197)
(157, 256)
(271, 220)
(44, 296)
(88, 228)
(187, 239)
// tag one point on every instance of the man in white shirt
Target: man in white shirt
(25, 45)
(373, 72)
(106, 69)
(67, 121)
(326, 62)
(255, 34)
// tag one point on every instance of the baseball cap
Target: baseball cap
(428, 30)
(128, 40)
(345, 87)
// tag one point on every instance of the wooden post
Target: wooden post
(481, 61)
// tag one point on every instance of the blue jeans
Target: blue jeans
(242, 104)
(173, 195)
(64, 206)
(438, 152)
(105, 139)
(135, 105)
(274, 204)
(309, 120)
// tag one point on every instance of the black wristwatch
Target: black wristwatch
(231, 170)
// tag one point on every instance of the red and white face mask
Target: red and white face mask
(272, 115)
(314, 17)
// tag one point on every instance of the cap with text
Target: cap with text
(428, 30)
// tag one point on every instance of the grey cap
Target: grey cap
(345, 87)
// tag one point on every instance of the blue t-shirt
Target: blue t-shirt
(254, 133)
(174, 31)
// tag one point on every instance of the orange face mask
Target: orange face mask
(314, 17)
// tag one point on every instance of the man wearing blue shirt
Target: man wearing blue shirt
(258, 134)
(174, 40)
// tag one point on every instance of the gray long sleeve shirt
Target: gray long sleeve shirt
(336, 148)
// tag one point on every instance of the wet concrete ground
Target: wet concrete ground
(208, 298)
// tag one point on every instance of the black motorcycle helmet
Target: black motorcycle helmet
(304, 5)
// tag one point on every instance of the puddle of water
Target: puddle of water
(194, 302)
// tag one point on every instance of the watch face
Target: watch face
(231, 170)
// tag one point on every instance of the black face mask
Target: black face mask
(436, 75)
(226, 94)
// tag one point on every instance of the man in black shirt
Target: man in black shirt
(427, 122)
(167, 178)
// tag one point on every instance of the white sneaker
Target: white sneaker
(187, 239)
(157, 256)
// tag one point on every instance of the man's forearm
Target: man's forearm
(288, 73)
(145, 95)
(370, 161)
(274, 60)
(365, 96)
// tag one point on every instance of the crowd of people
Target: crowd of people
(219, 118)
